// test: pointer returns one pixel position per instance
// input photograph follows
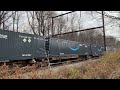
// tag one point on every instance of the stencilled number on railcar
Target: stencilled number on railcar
(26, 55)
(3, 36)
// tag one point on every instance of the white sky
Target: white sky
(87, 21)
(113, 31)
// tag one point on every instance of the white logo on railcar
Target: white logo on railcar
(80, 44)
(38, 38)
(85, 46)
(3, 36)
(24, 40)
(29, 40)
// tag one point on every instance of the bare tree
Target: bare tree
(4, 17)
(41, 21)
(73, 36)
(14, 17)
(60, 25)
(40, 15)
(18, 15)
(44, 21)
(33, 18)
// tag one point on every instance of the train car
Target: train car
(60, 48)
(20, 46)
(111, 49)
(39, 49)
(86, 52)
(69, 48)
(96, 50)
(54, 47)
(65, 48)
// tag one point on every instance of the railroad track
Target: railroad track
(25, 69)
(53, 65)
(69, 62)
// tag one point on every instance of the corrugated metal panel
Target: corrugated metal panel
(25, 42)
(39, 47)
(8, 42)
(85, 49)
(68, 47)
(97, 50)
(20, 46)
(54, 46)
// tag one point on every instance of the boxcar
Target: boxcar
(97, 50)
(54, 47)
(20, 46)
(67, 47)
(62, 48)
(110, 49)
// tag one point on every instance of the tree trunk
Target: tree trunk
(3, 24)
(17, 21)
(14, 21)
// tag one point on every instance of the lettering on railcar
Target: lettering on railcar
(38, 38)
(26, 55)
(3, 36)
(61, 53)
(26, 38)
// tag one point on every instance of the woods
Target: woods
(40, 23)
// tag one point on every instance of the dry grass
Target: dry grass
(108, 67)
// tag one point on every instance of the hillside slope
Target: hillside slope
(107, 67)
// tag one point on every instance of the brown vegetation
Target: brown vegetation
(108, 67)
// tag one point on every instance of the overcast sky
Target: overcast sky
(90, 21)
(87, 21)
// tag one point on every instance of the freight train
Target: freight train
(15, 46)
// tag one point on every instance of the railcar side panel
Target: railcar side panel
(9, 45)
(97, 50)
(39, 47)
(68, 47)
(26, 48)
(54, 47)
(20, 46)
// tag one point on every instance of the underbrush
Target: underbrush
(108, 67)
